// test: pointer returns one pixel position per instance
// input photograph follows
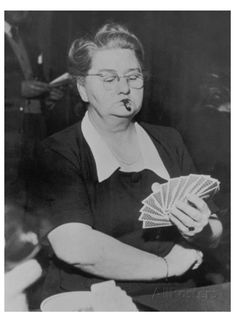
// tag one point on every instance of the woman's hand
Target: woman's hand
(190, 218)
(181, 259)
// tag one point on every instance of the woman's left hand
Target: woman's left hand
(190, 219)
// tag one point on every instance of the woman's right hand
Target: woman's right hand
(181, 259)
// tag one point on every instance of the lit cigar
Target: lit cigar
(126, 103)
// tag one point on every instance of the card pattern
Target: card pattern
(157, 206)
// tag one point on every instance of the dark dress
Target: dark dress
(69, 191)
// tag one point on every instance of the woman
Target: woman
(95, 174)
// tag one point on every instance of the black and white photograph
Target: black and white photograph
(117, 156)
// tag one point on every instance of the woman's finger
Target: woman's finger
(189, 210)
(155, 187)
(186, 220)
(181, 227)
(198, 203)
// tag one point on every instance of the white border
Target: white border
(118, 5)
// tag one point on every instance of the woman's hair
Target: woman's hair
(110, 36)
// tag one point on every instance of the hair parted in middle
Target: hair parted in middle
(110, 36)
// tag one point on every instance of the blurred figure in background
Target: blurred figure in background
(27, 95)
(207, 136)
(21, 267)
(207, 132)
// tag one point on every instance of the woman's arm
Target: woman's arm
(210, 235)
(99, 254)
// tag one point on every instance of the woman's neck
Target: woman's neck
(121, 138)
(110, 127)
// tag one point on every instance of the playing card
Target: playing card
(175, 191)
(206, 184)
(172, 186)
(152, 202)
(159, 198)
(164, 189)
(155, 209)
(151, 210)
(190, 184)
(152, 224)
(153, 217)
(209, 193)
(214, 185)
(187, 185)
(197, 183)
(181, 186)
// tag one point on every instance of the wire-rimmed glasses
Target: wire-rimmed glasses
(110, 80)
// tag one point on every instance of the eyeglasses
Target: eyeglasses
(110, 80)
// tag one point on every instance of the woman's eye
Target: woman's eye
(133, 77)
(109, 79)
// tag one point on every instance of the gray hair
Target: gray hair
(110, 36)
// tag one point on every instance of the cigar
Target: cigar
(126, 103)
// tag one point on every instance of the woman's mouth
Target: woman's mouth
(127, 104)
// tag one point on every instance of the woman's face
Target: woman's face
(105, 99)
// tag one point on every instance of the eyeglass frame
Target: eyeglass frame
(100, 75)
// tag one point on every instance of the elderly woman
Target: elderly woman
(95, 174)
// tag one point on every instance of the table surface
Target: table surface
(207, 298)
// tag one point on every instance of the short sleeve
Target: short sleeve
(58, 192)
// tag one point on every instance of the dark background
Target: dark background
(180, 47)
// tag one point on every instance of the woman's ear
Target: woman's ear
(82, 92)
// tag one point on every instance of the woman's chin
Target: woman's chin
(125, 113)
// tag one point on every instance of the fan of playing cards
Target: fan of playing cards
(157, 206)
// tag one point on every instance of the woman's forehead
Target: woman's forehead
(119, 60)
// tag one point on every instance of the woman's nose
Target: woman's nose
(123, 86)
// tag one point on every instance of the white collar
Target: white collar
(107, 164)
(8, 29)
